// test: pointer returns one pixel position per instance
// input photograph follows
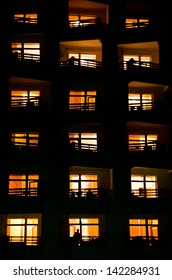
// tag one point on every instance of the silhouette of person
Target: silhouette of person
(130, 63)
(90, 194)
(77, 237)
(71, 61)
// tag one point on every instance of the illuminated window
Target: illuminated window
(26, 18)
(23, 230)
(21, 98)
(88, 227)
(144, 185)
(82, 100)
(138, 142)
(84, 141)
(25, 139)
(79, 184)
(143, 60)
(23, 185)
(138, 101)
(136, 23)
(81, 20)
(145, 228)
(26, 51)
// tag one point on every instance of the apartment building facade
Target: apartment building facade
(86, 130)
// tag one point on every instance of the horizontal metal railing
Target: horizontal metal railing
(88, 240)
(26, 20)
(18, 56)
(143, 64)
(82, 107)
(29, 142)
(81, 62)
(23, 191)
(144, 241)
(82, 147)
(151, 193)
(82, 23)
(131, 25)
(25, 240)
(137, 106)
(91, 193)
(137, 145)
(18, 101)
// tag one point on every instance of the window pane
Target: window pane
(33, 181)
(17, 181)
(76, 97)
(92, 231)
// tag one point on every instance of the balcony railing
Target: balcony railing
(20, 145)
(73, 146)
(23, 192)
(24, 102)
(151, 193)
(91, 193)
(25, 20)
(82, 106)
(18, 56)
(88, 241)
(82, 23)
(25, 240)
(137, 145)
(143, 64)
(89, 63)
(134, 25)
(29, 103)
(143, 241)
(139, 106)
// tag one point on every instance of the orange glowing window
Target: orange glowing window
(138, 142)
(138, 101)
(82, 100)
(146, 228)
(88, 227)
(84, 141)
(26, 51)
(136, 22)
(81, 20)
(24, 139)
(23, 185)
(20, 98)
(25, 230)
(144, 185)
(143, 60)
(30, 18)
(80, 184)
